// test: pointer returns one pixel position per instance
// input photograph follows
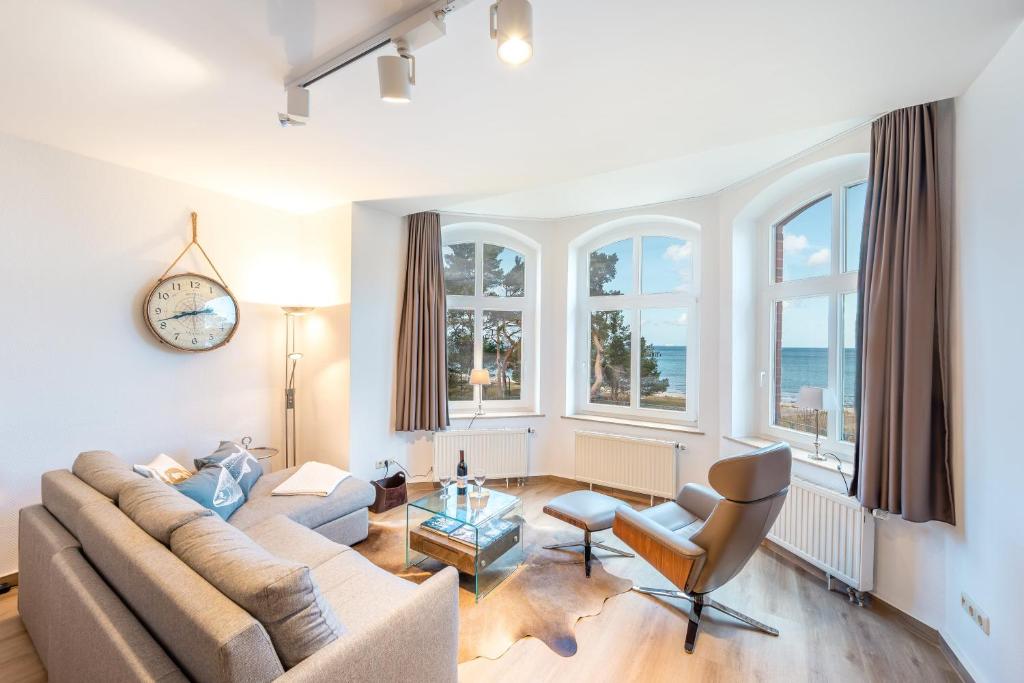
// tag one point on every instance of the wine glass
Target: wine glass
(446, 481)
(479, 476)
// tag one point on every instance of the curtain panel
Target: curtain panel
(902, 458)
(421, 401)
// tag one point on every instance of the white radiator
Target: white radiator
(504, 452)
(831, 531)
(628, 463)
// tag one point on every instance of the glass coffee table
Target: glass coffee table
(480, 533)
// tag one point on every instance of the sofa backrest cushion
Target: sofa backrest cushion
(64, 495)
(104, 471)
(283, 595)
(210, 637)
(158, 507)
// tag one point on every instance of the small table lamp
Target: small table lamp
(481, 378)
(819, 400)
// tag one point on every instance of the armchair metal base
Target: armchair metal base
(587, 544)
(699, 602)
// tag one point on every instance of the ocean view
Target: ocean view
(800, 367)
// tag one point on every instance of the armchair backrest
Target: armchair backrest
(753, 487)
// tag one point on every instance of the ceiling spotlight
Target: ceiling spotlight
(512, 26)
(397, 74)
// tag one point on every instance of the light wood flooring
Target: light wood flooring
(640, 638)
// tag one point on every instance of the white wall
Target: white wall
(985, 554)
(82, 242)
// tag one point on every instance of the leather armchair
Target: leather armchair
(703, 538)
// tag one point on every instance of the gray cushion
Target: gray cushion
(359, 591)
(64, 495)
(158, 507)
(211, 638)
(671, 516)
(291, 541)
(213, 487)
(104, 471)
(588, 510)
(282, 595)
(309, 511)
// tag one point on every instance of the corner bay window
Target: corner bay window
(489, 286)
(637, 328)
(810, 299)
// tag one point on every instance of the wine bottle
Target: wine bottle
(462, 473)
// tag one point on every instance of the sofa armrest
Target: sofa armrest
(418, 641)
(700, 500)
(675, 556)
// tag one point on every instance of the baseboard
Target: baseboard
(11, 579)
(877, 604)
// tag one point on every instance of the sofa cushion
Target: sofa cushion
(210, 637)
(289, 540)
(282, 595)
(165, 468)
(359, 591)
(104, 471)
(213, 487)
(309, 511)
(64, 495)
(158, 508)
(242, 465)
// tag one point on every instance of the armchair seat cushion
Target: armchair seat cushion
(671, 516)
(588, 510)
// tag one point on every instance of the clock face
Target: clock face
(191, 312)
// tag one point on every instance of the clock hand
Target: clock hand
(185, 314)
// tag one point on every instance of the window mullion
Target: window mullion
(634, 359)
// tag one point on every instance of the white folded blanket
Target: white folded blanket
(312, 479)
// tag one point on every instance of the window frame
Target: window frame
(835, 285)
(480, 234)
(633, 304)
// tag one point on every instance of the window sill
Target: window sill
(492, 416)
(635, 423)
(799, 454)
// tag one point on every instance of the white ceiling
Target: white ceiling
(685, 95)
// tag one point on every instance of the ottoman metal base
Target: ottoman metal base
(588, 544)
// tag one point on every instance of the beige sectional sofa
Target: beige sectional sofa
(105, 597)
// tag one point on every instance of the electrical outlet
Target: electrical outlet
(976, 615)
(380, 464)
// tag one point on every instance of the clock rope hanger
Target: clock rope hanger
(189, 311)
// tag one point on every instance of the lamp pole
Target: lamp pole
(291, 361)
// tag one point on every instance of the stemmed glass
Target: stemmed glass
(446, 481)
(479, 476)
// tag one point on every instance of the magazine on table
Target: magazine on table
(487, 534)
(439, 524)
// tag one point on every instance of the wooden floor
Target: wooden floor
(640, 638)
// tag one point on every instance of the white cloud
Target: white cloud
(681, 320)
(793, 244)
(678, 252)
(819, 258)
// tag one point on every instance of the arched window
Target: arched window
(638, 316)
(809, 308)
(490, 282)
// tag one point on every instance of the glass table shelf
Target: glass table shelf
(480, 533)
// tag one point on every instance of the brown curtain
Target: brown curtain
(902, 455)
(422, 385)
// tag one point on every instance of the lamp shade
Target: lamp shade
(512, 27)
(814, 398)
(396, 78)
(480, 376)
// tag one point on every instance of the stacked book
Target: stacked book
(467, 534)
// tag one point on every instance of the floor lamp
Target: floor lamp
(291, 362)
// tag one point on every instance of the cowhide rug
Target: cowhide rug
(544, 598)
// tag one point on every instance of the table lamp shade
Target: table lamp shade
(479, 376)
(814, 398)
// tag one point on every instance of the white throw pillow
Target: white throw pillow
(165, 468)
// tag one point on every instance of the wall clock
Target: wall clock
(191, 312)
